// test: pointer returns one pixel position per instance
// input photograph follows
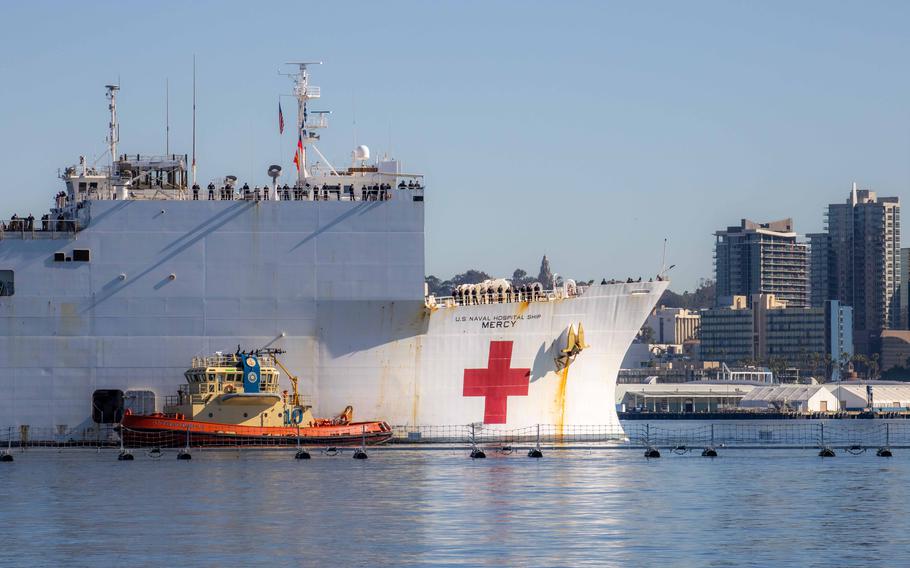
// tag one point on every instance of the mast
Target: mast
(303, 92)
(114, 133)
(167, 116)
(194, 119)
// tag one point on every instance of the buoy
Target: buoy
(302, 455)
(184, 455)
(709, 453)
(359, 454)
(331, 451)
(477, 454)
(855, 449)
(535, 453)
(652, 452)
(884, 452)
(125, 456)
(155, 453)
(4, 457)
(826, 452)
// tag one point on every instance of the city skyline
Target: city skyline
(626, 125)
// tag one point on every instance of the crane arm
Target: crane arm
(295, 396)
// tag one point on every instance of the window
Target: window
(81, 255)
(6, 283)
(59, 256)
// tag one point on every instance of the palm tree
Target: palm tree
(859, 362)
(843, 364)
(874, 366)
(829, 366)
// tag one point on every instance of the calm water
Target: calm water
(572, 508)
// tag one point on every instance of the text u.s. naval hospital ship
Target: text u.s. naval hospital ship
(135, 270)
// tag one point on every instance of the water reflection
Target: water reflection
(572, 508)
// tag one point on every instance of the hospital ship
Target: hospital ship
(136, 269)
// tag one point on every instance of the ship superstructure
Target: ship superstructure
(137, 269)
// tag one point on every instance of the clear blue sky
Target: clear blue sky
(588, 131)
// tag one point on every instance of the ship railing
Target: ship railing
(228, 360)
(24, 229)
(505, 297)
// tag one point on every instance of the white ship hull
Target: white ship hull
(339, 285)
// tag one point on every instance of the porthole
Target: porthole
(245, 415)
(210, 415)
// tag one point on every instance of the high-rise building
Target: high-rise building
(857, 262)
(804, 338)
(904, 290)
(761, 258)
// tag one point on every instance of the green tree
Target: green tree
(646, 335)
(861, 363)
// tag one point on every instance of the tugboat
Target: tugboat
(234, 399)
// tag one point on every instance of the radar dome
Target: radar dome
(361, 153)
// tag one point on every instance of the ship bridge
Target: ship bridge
(166, 177)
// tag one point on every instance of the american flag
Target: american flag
(280, 119)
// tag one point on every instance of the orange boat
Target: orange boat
(235, 400)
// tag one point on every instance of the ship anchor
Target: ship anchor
(575, 344)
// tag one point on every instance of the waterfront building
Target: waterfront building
(804, 338)
(749, 374)
(678, 371)
(857, 262)
(761, 258)
(895, 345)
(673, 326)
(727, 333)
(706, 396)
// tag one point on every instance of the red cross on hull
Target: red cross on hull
(497, 382)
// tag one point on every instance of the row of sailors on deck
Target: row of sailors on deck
(629, 280)
(28, 223)
(375, 192)
(499, 291)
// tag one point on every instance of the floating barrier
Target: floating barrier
(652, 452)
(709, 453)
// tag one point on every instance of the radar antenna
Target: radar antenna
(114, 134)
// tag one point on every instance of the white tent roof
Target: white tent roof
(763, 397)
(882, 395)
